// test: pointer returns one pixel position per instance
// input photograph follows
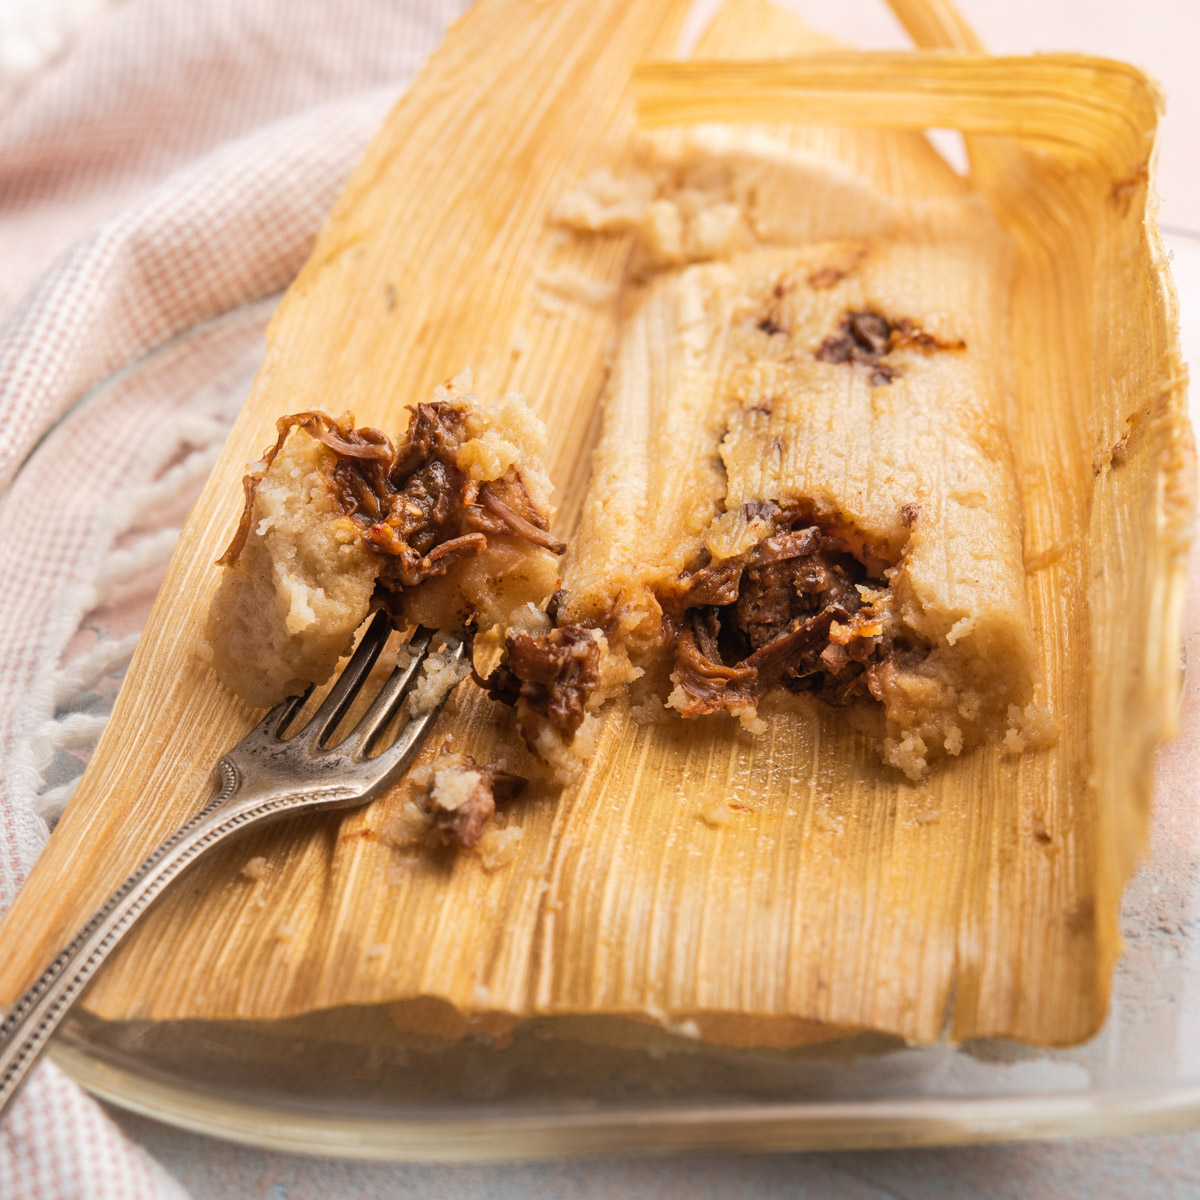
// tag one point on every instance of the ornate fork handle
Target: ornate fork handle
(263, 777)
(25, 1030)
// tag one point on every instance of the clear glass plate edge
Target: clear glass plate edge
(760, 1127)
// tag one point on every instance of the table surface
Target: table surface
(1154, 34)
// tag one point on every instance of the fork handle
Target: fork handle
(29, 1025)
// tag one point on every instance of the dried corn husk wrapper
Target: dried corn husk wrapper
(778, 890)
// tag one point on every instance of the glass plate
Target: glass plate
(346, 1083)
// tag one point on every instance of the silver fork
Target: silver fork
(264, 777)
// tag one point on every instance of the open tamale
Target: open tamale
(778, 886)
(795, 489)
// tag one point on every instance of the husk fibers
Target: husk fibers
(838, 896)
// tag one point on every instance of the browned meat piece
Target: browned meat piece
(715, 584)
(462, 797)
(553, 674)
(787, 611)
(710, 684)
(870, 331)
(365, 453)
(861, 338)
(436, 513)
(866, 338)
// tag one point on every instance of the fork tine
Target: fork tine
(392, 695)
(341, 695)
(402, 751)
(397, 758)
(275, 723)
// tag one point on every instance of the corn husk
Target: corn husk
(773, 891)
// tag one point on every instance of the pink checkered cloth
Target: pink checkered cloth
(175, 163)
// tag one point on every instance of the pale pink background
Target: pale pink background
(1160, 36)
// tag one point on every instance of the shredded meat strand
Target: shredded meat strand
(523, 527)
(365, 443)
(711, 685)
(415, 505)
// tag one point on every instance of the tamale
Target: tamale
(784, 465)
(755, 890)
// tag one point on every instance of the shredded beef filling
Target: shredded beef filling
(797, 610)
(867, 338)
(366, 446)
(553, 674)
(460, 815)
(415, 505)
(431, 512)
